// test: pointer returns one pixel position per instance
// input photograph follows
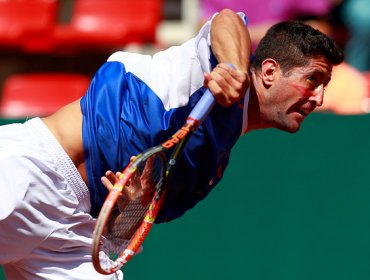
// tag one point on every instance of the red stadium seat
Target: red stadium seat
(40, 94)
(26, 23)
(108, 24)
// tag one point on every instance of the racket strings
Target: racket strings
(121, 228)
(132, 206)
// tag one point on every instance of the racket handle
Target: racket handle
(204, 105)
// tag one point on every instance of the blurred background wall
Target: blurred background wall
(291, 207)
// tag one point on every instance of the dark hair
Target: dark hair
(293, 44)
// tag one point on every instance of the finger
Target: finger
(230, 79)
(235, 74)
(207, 79)
(228, 85)
(134, 182)
(222, 91)
(111, 176)
(107, 183)
(147, 172)
(217, 91)
(132, 189)
(148, 181)
(221, 74)
(222, 78)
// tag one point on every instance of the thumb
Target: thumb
(207, 79)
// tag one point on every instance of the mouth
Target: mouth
(303, 109)
(303, 113)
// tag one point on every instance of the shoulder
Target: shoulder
(173, 74)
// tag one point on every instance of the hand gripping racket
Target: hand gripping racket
(132, 206)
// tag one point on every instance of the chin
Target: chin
(294, 130)
(291, 128)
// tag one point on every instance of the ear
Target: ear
(269, 71)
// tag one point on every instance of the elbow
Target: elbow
(228, 13)
(229, 18)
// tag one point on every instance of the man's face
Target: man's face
(294, 95)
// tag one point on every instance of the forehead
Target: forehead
(316, 65)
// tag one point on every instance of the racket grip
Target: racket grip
(204, 105)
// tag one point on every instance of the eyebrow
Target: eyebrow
(313, 72)
(321, 74)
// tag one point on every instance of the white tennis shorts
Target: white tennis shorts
(45, 225)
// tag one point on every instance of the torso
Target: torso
(66, 126)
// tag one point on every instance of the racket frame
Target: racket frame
(177, 140)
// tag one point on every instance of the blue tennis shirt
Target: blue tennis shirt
(137, 101)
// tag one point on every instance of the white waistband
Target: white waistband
(62, 160)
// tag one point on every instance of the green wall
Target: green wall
(290, 207)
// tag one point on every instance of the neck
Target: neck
(254, 110)
(66, 126)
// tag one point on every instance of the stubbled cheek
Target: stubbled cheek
(302, 91)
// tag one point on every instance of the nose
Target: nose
(318, 95)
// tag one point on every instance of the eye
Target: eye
(314, 81)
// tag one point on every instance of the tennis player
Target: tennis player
(51, 168)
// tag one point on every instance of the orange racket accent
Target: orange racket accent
(139, 236)
(127, 216)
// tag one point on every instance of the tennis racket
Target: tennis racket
(132, 206)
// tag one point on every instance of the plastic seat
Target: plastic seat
(24, 24)
(108, 24)
(40, 94)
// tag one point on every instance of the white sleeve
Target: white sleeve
(173, 74)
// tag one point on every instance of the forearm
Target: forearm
(230, 40)
(231, 44)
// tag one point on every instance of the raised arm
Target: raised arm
(231, 44)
